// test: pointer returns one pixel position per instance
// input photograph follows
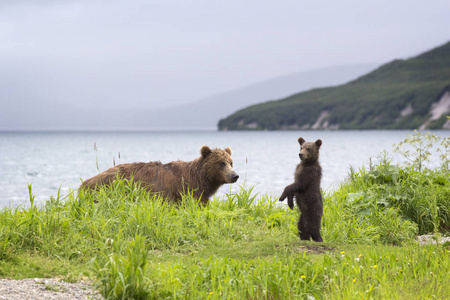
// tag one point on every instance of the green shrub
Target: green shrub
(397, 201)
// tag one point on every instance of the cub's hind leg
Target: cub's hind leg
(303, 230)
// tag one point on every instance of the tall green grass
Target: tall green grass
(136, 246)
(87, 222)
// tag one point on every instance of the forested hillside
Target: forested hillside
(403, 94)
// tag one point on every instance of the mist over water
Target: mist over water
(266, 160)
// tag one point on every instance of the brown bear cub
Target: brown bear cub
(306, 190)
(203, 176)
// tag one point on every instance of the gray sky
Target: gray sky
(97, 53)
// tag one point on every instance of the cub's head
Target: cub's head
(309, 151)
(218, 165)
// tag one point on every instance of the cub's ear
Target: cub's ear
(205, 151)
(318, 143)
(301, 141)
(228, 150)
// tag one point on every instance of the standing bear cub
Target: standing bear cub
(203, 176)
(306, 190)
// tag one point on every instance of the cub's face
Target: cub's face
(309, 151)
(219, 165)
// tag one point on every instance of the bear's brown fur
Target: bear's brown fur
(203, 176)
(306, 190)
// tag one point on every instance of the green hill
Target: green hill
(403, 94)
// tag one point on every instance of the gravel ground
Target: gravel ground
(37, 289)
(430, 239)
(43, 289)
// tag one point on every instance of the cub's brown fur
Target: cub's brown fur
(203, 175)
(306, 190)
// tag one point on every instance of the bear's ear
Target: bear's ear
(228, 150)
(318, 143)
(205, 151)
(301, 141)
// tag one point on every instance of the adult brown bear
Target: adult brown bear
(306, 191)
(203, 175)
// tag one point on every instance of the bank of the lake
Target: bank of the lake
(134, 245)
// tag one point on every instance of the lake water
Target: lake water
(266, 160)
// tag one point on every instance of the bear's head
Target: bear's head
(309, 151)
(218, 165)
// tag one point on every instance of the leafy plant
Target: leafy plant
(421, 144)
(122, 273)
(445, 153)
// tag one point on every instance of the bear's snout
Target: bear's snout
(300, 155)
(232, 177)
(235, 177)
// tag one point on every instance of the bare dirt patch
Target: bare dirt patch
(314, 249)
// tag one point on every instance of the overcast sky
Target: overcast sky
(95, 53)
